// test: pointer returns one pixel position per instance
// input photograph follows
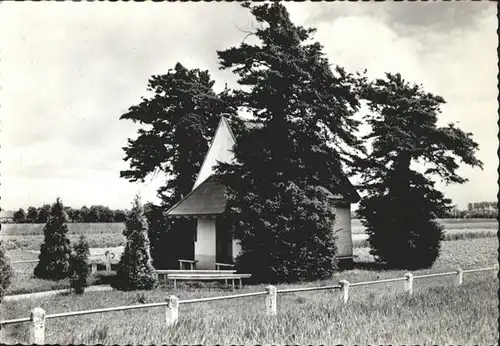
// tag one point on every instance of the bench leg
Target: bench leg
(241, 285)
(175, 284)
(225, 282)
(233, 284)
(165, 279)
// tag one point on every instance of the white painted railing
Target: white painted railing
(38, 316)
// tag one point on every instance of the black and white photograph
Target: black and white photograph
(249, 173)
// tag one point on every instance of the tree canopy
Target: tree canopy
(178, 121)
(287, 167)
(402, 201)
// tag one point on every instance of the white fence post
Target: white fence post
(37, 327)
(409, 283)
(271, 308)
(172, 311)
(345, 290)
(460, 276)
(108, 261)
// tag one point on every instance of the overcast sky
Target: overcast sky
(69, 70)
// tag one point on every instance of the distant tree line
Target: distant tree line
(476, 210)
(96, 213)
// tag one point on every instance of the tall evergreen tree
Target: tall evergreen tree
(55, 250)
(281, 187)
(135, 270)
(400, 210)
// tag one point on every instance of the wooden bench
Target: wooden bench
(208, 276)
(191, 264)
(166, 272)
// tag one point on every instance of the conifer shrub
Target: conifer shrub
(55, 251)
(6, 272)
(135, 270)
(79, 269)
(288, 237)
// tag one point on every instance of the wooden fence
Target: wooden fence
(38, 315)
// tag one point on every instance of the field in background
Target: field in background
(100, 235)
(34, 229)
(33, 242)
(30, 236)
(450, 225)
(438, 313)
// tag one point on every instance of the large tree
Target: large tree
(178, 121)
(287, 168)
(402, 201)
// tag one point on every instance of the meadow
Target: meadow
(437, 313)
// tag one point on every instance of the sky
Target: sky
(69, 70)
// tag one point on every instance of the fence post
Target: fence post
(37, 327)
(93, 267)
(108, 261)
(345, 290)
(409, 283)
(172, 311)
(460, 276)
(271, 309)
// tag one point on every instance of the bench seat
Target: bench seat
(207, 276)
(207, 271)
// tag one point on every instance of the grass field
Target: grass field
(437, 313)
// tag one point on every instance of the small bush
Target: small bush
(6, 272)
(79, 266)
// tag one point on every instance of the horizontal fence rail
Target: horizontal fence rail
(38, 316)
(364, 283)
(305, 289)
(233, 296)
